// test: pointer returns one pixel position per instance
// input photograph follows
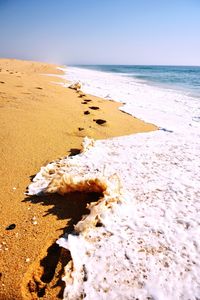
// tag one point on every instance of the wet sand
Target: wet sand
(40, 121)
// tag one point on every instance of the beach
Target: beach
(139, 237)
(41, 121)
(100, 150)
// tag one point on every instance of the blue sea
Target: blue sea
(185, 78)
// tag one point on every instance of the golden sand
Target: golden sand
(41, 121)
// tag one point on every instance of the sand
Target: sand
(40, 121)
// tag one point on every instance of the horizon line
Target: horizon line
(150, 65)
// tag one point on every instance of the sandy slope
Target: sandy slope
(41, 121)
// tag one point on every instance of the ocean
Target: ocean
(183, 78)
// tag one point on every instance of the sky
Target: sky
(155, 32)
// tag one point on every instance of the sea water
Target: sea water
(148, 246)
(184, 78)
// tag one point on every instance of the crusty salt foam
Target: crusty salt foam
(147, 246)
(68, 175)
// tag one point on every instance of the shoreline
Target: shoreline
(180, 89)
(166, 108)
(141, 234)
(39, 124)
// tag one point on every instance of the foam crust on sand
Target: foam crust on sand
(139, 241)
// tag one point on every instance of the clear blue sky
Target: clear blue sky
(101, 31)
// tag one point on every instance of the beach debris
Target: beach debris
(83, 102)
(196, 119)
(80, 128)
(39, 88)
(27, 260)
(3, 246)
(87, 100)
(75, 86)
(86, 112)
(11, 227)
(165, 129)
(87, 144)
(34, 222)
(2, 82)
(14, 188)
(94, 107)
(99, 121)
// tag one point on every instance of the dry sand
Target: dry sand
(41, 121)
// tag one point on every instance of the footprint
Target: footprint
(45, 273)
(86, 112)
(99, 121)
(87, 100)
(2, 82)
(94, 107)
(39, 88)
(83, 102)
(81, 94)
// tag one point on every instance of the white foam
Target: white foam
(148, 246)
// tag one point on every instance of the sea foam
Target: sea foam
(147, 246)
